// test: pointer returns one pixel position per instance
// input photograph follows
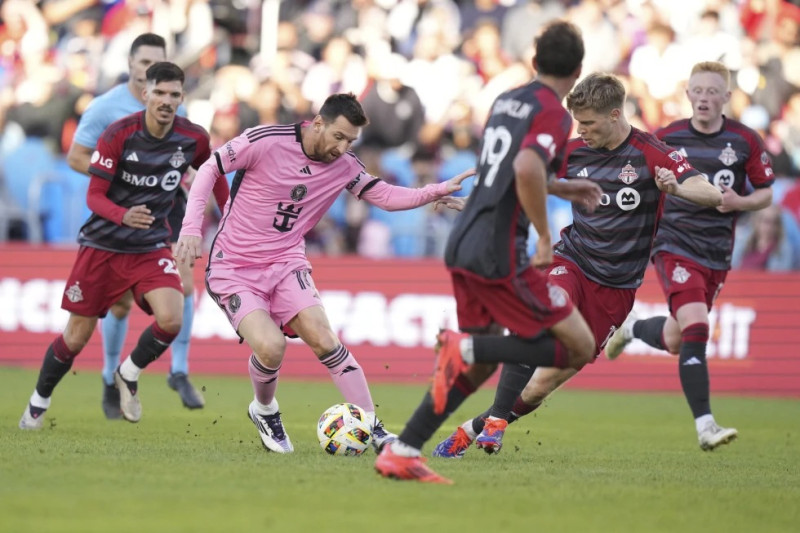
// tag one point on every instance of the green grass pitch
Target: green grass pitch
(585, 462)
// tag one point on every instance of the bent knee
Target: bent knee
(269, 351)
(171, 324)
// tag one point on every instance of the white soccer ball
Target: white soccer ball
(344, 429)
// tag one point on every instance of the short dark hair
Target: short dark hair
(346, 105)
(559, 49)
(164, 71)
(148, 39)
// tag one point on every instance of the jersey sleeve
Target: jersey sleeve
(664, 156)
(105, 157)
(548, 135)
(91, 126)
(758, 165)
(236, 154)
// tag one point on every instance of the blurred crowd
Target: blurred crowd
(426, 72)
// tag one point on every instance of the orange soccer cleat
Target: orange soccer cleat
(393, 466)
(449, 365)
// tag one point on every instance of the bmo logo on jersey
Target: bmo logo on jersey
(626, 199)
(168, 182)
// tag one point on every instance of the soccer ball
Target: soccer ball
(344, 429)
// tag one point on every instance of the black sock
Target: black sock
(651, 331)
(693, 370)
(57, 362)
(544, 350)
(152, 343)
(424, 422)
(513, 379)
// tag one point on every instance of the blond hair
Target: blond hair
(714, 67)
(599, 92)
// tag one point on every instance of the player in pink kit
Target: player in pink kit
(287, 177)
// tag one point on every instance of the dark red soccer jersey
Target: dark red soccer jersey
(612, 245)
(143, 170)
(730, 157)
(489, 236)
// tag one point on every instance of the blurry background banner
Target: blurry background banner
(388, 312)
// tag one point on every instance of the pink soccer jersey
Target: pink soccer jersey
(279, 194)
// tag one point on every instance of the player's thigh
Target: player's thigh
(166, 305)
(123, 306)
(312, 325)
(263, 336)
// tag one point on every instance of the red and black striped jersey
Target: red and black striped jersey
(729, 157)
(143, 170)
(612, 245)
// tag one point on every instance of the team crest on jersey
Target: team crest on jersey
(177, 158)
(764, 158)
(558, 297)
(680, 275)
(728, 156)
(234, 303)
(299, 192)
(74, 293)
(559, 271)
(628, 174)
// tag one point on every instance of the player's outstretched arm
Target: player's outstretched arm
(395, 198)
(695, 189)
(189, 245)
(732, 201)
(530, 176)
(585, 193)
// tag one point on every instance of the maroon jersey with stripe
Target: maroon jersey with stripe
(489, 236)
(612, 245)
(730, 157)
(143, 170)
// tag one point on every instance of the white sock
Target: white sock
(701, 422)
(129, 371)
(467, 352)
(404, 450)
(270, 409)
(39, 401)
(467, 427)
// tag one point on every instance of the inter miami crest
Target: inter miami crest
(234, 303)
(299, 192)
(177, 158)
(728, 156)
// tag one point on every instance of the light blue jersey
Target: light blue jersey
(109, 107)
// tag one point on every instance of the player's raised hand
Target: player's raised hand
(138, 217)
(454, 184)
(730, 200)
(451, 202)
(188, 249)
(666, 180)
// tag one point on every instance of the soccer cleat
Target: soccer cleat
(713, 436)
(454, 446)
(191, 397)
(620, 339)
(381, 437)
(32, 418)
(449, 365)
(270, 429)
(491, 438)
(393, 466)
(111, 402)
(129, 402)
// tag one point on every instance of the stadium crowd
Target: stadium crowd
(426, 72)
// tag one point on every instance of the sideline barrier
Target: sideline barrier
(388, 312)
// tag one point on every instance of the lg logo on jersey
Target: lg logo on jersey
(169, 181)
(626, 199)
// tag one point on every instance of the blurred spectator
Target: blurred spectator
(339, 71)
(522, 22)
(762, 243)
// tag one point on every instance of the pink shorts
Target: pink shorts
(603, 308)
(281, 290)
(99, 278)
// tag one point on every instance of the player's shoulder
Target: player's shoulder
(576, 144)
(125, 125)
(186, 127)
(272, 133)
(648, 142)
(673, 128)
(737, 128)
(352, 159)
